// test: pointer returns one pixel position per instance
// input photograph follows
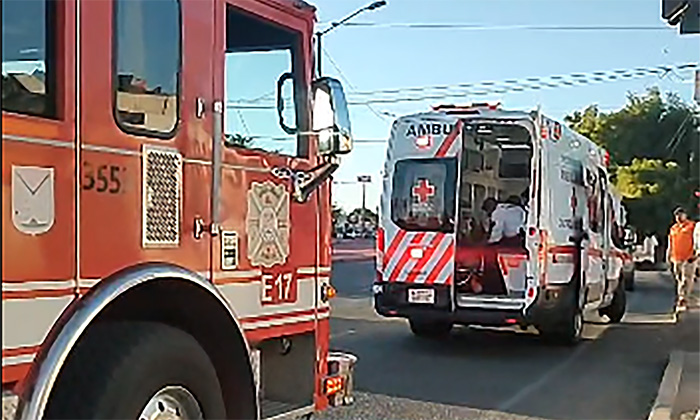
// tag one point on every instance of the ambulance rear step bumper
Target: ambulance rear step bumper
(490, 302)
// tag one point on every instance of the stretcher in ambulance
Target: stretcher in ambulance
(440, 261)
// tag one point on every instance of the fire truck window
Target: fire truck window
(258, 53)
(28, 57)
(423, 194)
(147, 53)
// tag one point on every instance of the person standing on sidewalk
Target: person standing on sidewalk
(680, 255)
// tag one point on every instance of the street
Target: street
(505, 373)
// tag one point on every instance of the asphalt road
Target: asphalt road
(501, 374)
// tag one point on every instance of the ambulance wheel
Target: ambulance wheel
(434, 329)
(617, 307)
(569, 330)
(137, 370)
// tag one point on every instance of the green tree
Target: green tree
(654, 146)
(370, 216)
(652, 189)
(337, 214)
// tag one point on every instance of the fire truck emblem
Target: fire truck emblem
(33, 199)
(268, 224)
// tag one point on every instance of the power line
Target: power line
(342, 75)
(481, 27)
(439, 92)
(568, 79)
(676, 139)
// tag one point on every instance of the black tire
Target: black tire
(568, 331)
(117, 368)
(617, 308)
(435, 329)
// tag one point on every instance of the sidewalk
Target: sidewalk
(679, 391)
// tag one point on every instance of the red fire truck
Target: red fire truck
(166, 211)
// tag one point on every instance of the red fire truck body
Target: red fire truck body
(149, 262)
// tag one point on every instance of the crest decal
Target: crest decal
(268, 224)
(33, 203)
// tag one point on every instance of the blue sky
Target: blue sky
(379, 57)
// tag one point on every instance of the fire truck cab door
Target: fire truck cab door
(266, 236)
(145, 144)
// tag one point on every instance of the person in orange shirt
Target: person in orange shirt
(681, 256)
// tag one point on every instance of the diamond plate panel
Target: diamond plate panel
(162, 196)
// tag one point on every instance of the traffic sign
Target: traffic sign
(364, 178)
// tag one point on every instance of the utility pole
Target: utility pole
(364, 180)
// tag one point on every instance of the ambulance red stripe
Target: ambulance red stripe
(417, 239)
(442, 262)
(432, 248)
(449, 140)
(393, 246)
(380, 248)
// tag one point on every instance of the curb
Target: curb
(668, 389)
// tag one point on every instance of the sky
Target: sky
(381, 57)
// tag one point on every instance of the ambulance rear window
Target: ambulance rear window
(423, 194)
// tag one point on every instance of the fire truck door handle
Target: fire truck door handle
(200, 107)
(200, 228)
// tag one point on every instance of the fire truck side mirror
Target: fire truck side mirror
(330, 118)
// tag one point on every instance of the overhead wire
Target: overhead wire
(488, 87)
(342, 75)
(482, 27)
(677, 136)
(438, 92)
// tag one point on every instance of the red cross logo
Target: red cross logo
(423, 190)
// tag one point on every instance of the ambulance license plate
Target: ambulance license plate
(421, 296)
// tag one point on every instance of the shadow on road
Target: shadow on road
(613, 374)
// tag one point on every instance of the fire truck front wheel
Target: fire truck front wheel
(430, 329)
(137, 370)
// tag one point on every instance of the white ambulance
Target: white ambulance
(542, 258)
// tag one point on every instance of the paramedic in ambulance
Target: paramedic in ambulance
(525, 199)
(681, 256)
(508, 223)
(488, 206)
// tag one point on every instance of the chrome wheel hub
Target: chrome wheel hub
(172, 403)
